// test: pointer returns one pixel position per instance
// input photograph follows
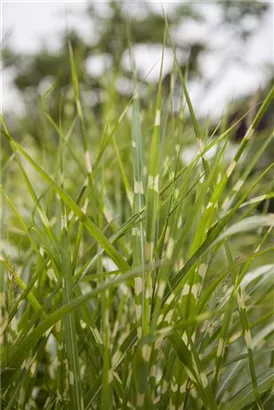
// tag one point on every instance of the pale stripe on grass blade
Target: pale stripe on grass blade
(152, 195)
(138, 234)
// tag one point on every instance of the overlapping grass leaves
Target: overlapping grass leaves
(142, 284)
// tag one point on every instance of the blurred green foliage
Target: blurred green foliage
(110, 30)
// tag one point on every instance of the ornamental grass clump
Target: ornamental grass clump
(132, 279)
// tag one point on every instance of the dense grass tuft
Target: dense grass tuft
(134, 276)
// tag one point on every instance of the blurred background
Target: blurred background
(225, 49)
